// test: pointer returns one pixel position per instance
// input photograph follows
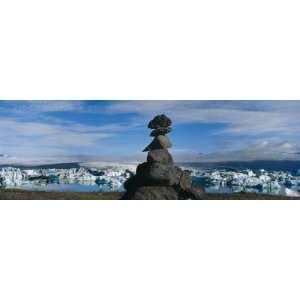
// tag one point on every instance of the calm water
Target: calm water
(65, 187)
(219, 189)
(93, 187)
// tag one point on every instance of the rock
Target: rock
(160, 156)
(155, 173)
(195, 192)
(161, 131)
(133, 183)
(158, 174)
(185, 181)
(160, 121)
(163, 174)
(141, 169)
(155, 193)
(159, 142)
(177, 174)
(159, 178)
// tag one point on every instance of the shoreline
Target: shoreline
(16, 194)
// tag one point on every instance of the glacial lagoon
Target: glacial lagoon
(112, 179)
(92, 187)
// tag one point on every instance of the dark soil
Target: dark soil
(248, 196)
(14, 194)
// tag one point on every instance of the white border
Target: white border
(149, 250)
(135, 49)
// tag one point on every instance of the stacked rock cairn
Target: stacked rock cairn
(159, 178)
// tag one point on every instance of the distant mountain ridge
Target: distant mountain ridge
(270, 165)
(44, 166)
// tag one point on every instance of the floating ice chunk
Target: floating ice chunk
(275, 185)
(11, 176)
(290, 193)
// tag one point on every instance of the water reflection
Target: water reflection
(68, 186)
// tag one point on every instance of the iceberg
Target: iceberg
(11, 176)
(262, 181)
(108, 178)
(111, 177)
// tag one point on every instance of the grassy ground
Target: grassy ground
(37, 195)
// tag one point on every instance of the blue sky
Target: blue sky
(117, 130)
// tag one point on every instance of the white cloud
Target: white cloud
(238, 117)
(56, 137)
(33, 107)
(262, 150)
(37, 139)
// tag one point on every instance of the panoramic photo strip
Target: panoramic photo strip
(149, 150)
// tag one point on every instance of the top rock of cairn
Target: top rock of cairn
(161, 125)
